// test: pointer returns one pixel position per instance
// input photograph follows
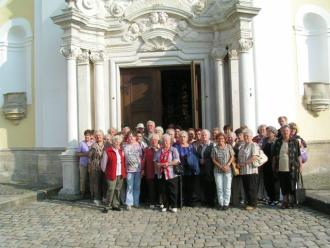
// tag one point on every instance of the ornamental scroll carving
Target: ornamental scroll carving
(70, 52)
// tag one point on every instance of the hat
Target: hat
(139, 125)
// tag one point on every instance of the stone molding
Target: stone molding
(233, 54)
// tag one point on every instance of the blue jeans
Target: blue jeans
(223, 182)
(133, 188)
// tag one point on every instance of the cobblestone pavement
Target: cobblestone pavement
(64, 224)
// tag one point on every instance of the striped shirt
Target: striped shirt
(246, 151)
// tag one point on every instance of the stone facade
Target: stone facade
(31, 165)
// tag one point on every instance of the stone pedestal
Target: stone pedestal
(70, 167)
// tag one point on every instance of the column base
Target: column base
(70, 167)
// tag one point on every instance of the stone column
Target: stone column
(218, 56)
(113, 96)
(68, 158)
(234, 88)
(98, 59)
(84, 93)
(246, 83)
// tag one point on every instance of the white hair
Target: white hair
(206, 131)
(117, 138)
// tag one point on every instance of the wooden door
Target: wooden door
(196, 94)
(141, 96)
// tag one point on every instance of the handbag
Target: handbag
(303, 154)
(178, 169)
(300, 193)
(234, 169)
(261, 159)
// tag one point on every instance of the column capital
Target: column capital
(83, 58)
(242, 45)
(71, 52)
(219, 53)
(97, 57)
(233, 54)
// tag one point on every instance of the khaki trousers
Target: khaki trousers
(113, 192)
(83, 178)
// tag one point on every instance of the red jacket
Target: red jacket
(110, 171)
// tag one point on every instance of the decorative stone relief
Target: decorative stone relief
(186, 32)
(199, 6)
(157, 44)
(70, 3)
(97, 57)
(88, 7)
(15, 107)
(70, 52)
(245, 45)
(233, 54)
(83, 58)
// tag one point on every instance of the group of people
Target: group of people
(190, 167)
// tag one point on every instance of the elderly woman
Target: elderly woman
(133, 156)
(191, 169)
(259, 139)
(113, 164)
(287, 161)
(222, 157)
(270, 180)
(214, 132)
(246, 156)
(149, 172)
(82, 153)
(206, 167)
(237, 190)
(191, 135)
(94, 167)
(165, 160)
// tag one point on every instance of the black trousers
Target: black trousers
(191, 187)
(286, 183)
(250, 184)
(151, 191)
(169, 191)
(208, 190)
(237, 191)
(271, 183)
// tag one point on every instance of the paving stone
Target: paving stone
(54, 223)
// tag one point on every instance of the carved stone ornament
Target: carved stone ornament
(70, 3)
(317, 96)
(97, 57)
(158, 44)
(245, 45)
(70, 52)
(116, 9)
(15, 107)
(83, 58)
(199, 6)
(233, 54)
(88, 7)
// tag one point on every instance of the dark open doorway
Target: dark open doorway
(162, 94)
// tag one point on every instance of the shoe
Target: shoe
(272, 204)
(174, 210)
(152, 206)
(220, 207)
(163, 209)
(128, 208)
(225, 208)
(249, 208)
(161, 206)
(135, 206)
(105, 210)
(116, 209)
(97, 202)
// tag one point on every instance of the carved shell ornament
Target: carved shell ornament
(88, 7)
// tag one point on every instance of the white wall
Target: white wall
(50, 71)
(274, 62)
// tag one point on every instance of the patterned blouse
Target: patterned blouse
(222, 155)
(95, 156)
(246, 151)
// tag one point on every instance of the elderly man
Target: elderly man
(151, 125)
(207, 183)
